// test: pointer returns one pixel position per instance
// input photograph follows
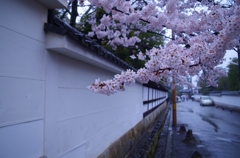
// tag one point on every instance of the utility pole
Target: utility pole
(174, 96)
(174, 105)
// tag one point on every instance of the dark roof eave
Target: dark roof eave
(63, 28)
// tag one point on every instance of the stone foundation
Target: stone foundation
(121, 147)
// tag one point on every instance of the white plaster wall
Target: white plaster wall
(45, 108)
(22, 140)
(225, 99)
(153, 94)
(22, 75)
(78, 121)
(87, 122)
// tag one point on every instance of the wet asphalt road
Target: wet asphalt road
(217, 129)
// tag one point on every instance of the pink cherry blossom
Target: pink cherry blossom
(202, 32)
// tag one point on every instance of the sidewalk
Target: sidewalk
(170, 142)
(177, 148)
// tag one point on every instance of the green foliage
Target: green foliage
(62, 14)
(99, 14)
(205, 91)
(148, 39)
(233, 76)
(203, 84)
(124, 54)
(84, 26)
(222, 84)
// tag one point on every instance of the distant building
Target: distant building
(196, 90)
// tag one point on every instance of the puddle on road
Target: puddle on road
(197, 133)
(190, 110)
(236, 141)
(200, 146)
(204, 118)
(224, 139)
(228, 140)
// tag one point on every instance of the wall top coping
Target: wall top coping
(65, 30)
(220, 93)
(52, 4)
(66, 40)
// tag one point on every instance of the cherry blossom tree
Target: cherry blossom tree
(201, 32)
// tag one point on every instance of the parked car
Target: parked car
(206, 100)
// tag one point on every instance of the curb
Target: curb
(164, 146)
(146, 146)
(168, 150)
(227, 107)
(150, 146)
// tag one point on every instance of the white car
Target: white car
(206, 100)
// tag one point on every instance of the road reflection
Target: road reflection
(219, 130)
(205, 118)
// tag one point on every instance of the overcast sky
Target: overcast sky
(228, 56)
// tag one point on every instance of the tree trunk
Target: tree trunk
(74, 13)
